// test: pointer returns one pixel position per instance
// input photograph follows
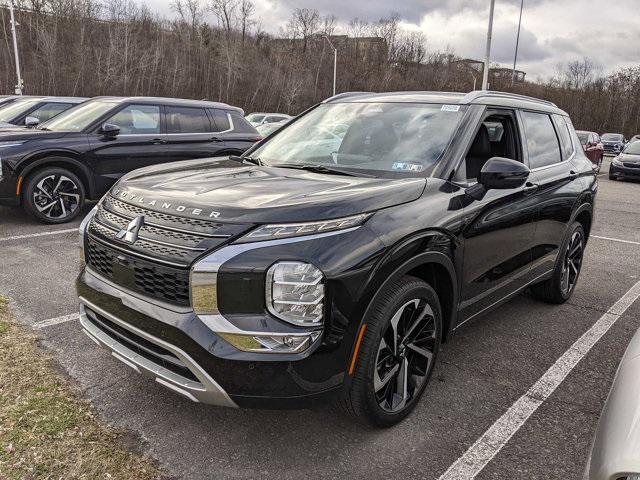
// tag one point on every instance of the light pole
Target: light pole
(487, 53)
(19, 86)
(335, 62)
(515, 55)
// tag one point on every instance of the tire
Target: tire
(611, 177)
(53, 195)
(371, 398)
(559, 288)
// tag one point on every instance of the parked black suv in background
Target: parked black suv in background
(317, 268)
(80, 153)
(31, 111)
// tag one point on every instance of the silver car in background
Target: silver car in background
(615, 453)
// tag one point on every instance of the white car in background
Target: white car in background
(260, 118)
(615, 453)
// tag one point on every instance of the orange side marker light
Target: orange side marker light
(357, 349)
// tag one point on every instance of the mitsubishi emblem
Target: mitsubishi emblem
(130, 234)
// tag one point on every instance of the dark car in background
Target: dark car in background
(78, 155)
(295, 275)
(627, 164)
(31, 111)
(592, 147)
(613, 143)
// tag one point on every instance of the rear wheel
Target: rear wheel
(560, 287)
(397, 354)
(54, 195)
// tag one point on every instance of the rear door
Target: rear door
(550, 149)
(191, 133)
(140, 142)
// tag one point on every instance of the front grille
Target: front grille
(157, 262)
(631, 165)
(166, 283)
(141, 346)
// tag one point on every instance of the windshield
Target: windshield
(633, 148)
(255, 118)
(16, 108)
(583, 137)
(402, 138)
(611, 137)
(78, 118)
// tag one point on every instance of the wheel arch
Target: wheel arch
(584, 216)
(61, 159)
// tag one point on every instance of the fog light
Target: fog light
(294, 343)
(295, 293)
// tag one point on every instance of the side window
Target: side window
(565, 136)
(187, 120)
(220, 119)
(240, 125)
(542, 141)
(49, 110)
(137, 120)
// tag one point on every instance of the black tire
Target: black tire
(53, 195)
(375, 357)
(559, 288)
(611, 177)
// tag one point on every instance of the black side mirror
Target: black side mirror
(501, 174)
(109, 130)
(31, 122)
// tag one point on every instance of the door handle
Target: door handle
(216, 139)
(573, 175)
(158, 141)
(530, 188)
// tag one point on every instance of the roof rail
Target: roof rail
(344, 95)
(471, 96)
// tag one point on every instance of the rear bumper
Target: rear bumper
(171, 345)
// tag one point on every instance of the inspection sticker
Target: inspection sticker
(450, 108)
(407, 167)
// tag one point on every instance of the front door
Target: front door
(499, 227)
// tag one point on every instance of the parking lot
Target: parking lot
(483, 373)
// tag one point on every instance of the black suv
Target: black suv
(80, 153)
(331, 260)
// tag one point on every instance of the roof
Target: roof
(270, 113)
(477, 97)
(184, 102)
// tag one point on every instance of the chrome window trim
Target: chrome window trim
(230, 129)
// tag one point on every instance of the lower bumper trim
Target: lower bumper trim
(204, 390)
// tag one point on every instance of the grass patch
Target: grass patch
(45, 431)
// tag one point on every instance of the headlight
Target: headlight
(10, 144)
(82, 230)
(295, 293)
(284, 230)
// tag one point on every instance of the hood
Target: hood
(627, 158)
(21, 133)
(233, 192)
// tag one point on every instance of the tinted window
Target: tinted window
(542, 142)
(187, 120)
(240, 125)
(564, 135)
(49, 110)
(137, 119)
(220, 119)
(585, 137)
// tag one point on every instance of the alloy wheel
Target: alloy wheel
(572, 263)
(56, 196)
(405, 355)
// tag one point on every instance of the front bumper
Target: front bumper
(173, 346)
(612, 148)
(624, 171)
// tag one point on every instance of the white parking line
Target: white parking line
(40, 234)
(496, 437)
(615, 240)
(55, 321)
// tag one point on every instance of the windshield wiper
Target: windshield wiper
(321, 169)
(254, 160)
(44, 129)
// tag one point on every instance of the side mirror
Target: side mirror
(31, 122)
(109, 130)
(503, 173)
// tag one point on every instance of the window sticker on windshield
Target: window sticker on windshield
(450, 108)
(407, 167)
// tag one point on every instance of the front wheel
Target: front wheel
(397, 353)
(54, 195)
(559, 288)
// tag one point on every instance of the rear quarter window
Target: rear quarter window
(564, 134)
(240, 125)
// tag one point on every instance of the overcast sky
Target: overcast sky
(553, 31)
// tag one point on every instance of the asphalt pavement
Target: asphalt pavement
(483, 370)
